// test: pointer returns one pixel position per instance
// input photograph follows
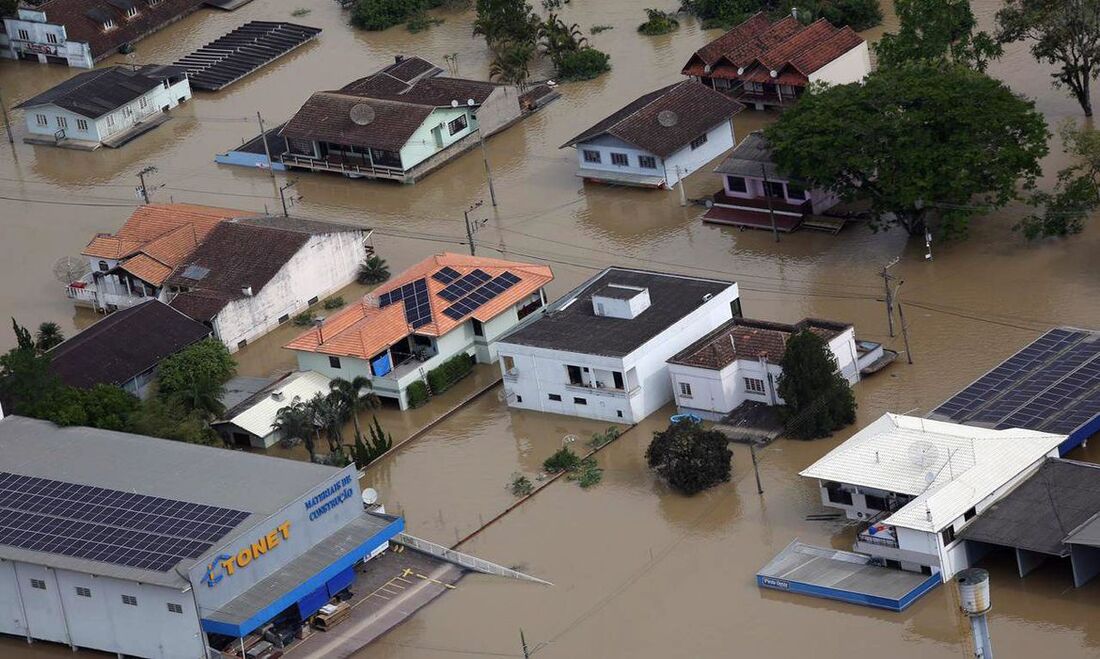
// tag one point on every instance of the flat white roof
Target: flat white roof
(947, 467)
(260, 415)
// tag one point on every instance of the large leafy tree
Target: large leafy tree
(689, 457)
(924, 144)
(817, 397)
(936, 30)
(1064, 33)
(196, 376)
(506, 21)
(1077, 194)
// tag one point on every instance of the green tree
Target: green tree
(501, 21)
(658, 22)
(61, 405)
(330, 414)
(296, 421)
(926, 145)
(169, 419)
(196, 376)
(355, 396)
(937, 30)
(584, 64)
(558, 39)
(49, 335)
(817, 397)
(25, 380)
(1077, 193)
(382, 14)
(8, 7)
(689, 457)
(109, 407)
(367, 451)
(23, 338)
(1063, 33)
(373, 271)
(511, 62)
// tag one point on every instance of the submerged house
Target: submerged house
(599, 352)
(107, 106)
(740, 361)
(398, 124)
(659, 138)
(444, 306)
(770, 64)
(251, 422)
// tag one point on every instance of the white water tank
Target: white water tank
(973, 591)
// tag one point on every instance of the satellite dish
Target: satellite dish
(68, 269)
(930, 477)
(471, 102)
(668, 118)
(454, 104)
(361, 114)
(923, 453)
(370, 496)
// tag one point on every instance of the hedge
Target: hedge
(446, 374)
(417, 393)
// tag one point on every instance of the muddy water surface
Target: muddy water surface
(638, 572)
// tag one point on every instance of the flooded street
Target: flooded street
(638, 571)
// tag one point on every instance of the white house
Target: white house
(444, 306)
(739, 362)
(600, 351)
(917, 482)
(658, 138)
(251, 422)
(770, 64)
(250, 275)
(108, 106)
(28, 35)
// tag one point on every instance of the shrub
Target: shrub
(382, 14)
(417, 393)
(520, 485)
(596, 29)
(601, 439)
(690, 458)
(658, 22)
(587, 473)
(446, 374)
(421, 21)
(301, 11)
(563, 460)
(583, 64)
(304, 319)
(334, 302)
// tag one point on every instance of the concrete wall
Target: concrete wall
(423, 143)
(76, 54)
(324, 265)
(605, 145)
(719, 140)
(499, 110)
(852, 66)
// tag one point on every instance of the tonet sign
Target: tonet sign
(226, 565)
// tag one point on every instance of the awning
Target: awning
(622, 178)
(325, 566)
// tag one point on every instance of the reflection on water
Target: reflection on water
(639, 572)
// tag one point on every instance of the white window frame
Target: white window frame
(82, 124)
(81, 591)
(755, 386)
(62, 122)
(38, 584)
(175, 608)
(42, 120)
(652, 160)
(620, 159)
(143, 103)
(24, 35)
(685, 390)
(698, 141)
(129, 600)
(592, 156)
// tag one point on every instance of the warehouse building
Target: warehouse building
(155, 548)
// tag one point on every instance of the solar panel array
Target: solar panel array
(446, 275)
(112, 526)
(1052, 385)
(480, 296)
(464, 285)
(418, 308)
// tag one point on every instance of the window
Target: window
(737, 184)
(129, 600)
(312, 300)
(591, 155)
(618, 379)
(948, 535)
(143, 103)
(62, 122)
(754, 386)
(619, 413)
(175, 608)
(647, 162)
(165, 84)
(698, 141)
(334, 362)
(838, 494)
(111, 121)
(24, 35)
(509, 364)
(242, 343)
(773, 189)
(51, 37)
(457, 124)
(41, 119)
(479, 329)
(131, 12)
(554, 397)
(685, 389)
(519, 399)
(82, 124)
(795, 192)
(969, 515)
(127, 112)
(579, 401)
(876, 502)
(283, 318)
(620, 159)
(38, 583)
(108, 24)
(575, 377)
(81, 591)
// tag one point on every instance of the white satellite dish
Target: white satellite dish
(454, 104)
(668, 118)
(361, 114)
(471, 102)
(923, 453)
(370, 496)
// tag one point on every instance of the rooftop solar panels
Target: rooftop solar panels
(1052, 385)
(480, 296)
(418, 307)
(112, 526)
(464, 285)
(446, 275)
(239, 53)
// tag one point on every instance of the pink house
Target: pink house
(753, 189)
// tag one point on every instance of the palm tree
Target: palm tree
(558, 39)
(296, 421)
(330, 413)
(351, 396)
(510, 62)
(49, 335)
(373, 271)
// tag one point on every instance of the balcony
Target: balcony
(879, 534)
(353, 167)
(605, 391)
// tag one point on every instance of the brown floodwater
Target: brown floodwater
(638, 571)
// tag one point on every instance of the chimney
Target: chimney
(397, 59)
(247, 290)
(277, 394)
(319, 323)
(794, 12)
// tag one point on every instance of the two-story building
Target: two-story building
(398, 124)
(658, 138)
(740, 361)
(767, 63)
(917, 482)
(107, 106)
(600, 351)
(444, 306)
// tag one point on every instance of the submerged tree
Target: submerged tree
(817, 397)
(48, 336)
(373, 271)
(925, 145)
(689, 457)
(355, 395)
(511, 62)
(296, 421)
(937, 30)
(1077, 194)
(196, 376)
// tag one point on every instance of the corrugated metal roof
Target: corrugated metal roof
(258, 417)
(947, 467)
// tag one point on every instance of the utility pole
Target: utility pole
(523, 642)
(471, 230)
(755, 466)
(904, 327)
(680, 186)
(7, 122)
(267, 149)
(973, 584)
(771, 210)
(282, 196)
(488, 172)
(141, 177)
(886, 279)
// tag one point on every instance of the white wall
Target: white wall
(719, 140)
(605, 145)
(76, 54)
(123, 118)
(852, 66)
(499, 110)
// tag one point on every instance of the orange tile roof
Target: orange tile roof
(364, 330)
(146, 268)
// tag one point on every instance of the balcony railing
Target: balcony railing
(336, 164)
(884, 535)
(617, 393)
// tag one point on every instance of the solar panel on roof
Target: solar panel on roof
(111, 526)
(446, 275)
(480, 296)
(464, 285)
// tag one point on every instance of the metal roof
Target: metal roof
(258, 417)
(257, 484)
(947, 467)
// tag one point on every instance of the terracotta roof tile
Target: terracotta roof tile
(147, 269)
(76, 16)
(364, 330)
(742, 338)
(326, 117)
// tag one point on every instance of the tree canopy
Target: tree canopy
(689, 457)
(859, 14)
(924, 144)
(196, 376)
(1077, 193)
(817, 397)
(937, 30)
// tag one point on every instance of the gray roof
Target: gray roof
(571, 325)
(1040, 512)
(299, 224)
(241, 388)
(1086, 534)
(98, 92)
(752, 157)
(257, 484)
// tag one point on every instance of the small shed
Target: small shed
(251, 422)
